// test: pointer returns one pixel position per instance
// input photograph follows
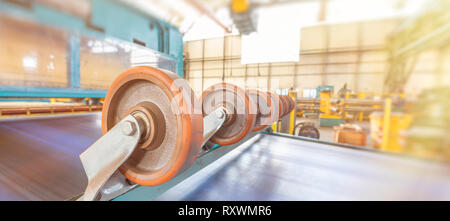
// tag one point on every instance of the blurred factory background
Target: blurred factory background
(368, 73)
(344, 60)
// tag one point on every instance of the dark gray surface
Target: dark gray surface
(39, 161)
(280, 168)
(39, 157)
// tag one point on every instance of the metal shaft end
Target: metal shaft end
(220, 114)
(128, 128)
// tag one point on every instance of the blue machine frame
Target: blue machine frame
(108, 18)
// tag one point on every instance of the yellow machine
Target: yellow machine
(387, 128)
(329, 114)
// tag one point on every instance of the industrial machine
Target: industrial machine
(73, 51)
(77, 34)
(329, 114)
(152, 147)
(346, 106)
(155, 140)
(307, 129)
(154, 127)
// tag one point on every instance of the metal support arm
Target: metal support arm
(106, 155)
(102, 159)
(212, 123)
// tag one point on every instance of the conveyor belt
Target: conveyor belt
(280, 168)
(39, 161)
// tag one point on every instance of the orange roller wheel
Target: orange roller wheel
(240, 112)
(291, 104)
(285, 105)
(281, 105)
(264, 107)
(276, 106)
(288, 104)
(164, 106)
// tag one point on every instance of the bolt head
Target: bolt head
(128, 128)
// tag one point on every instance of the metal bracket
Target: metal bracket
(117, 185)
(212, 123)
(102, 159)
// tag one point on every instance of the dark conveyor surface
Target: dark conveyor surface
(280, 168)
(39, 157)
(39, 161)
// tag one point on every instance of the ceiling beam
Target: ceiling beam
(203, 10)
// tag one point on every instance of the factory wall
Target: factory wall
(330, 54)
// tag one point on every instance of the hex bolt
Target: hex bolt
(128, 128)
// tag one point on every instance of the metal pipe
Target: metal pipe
(202, 9)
